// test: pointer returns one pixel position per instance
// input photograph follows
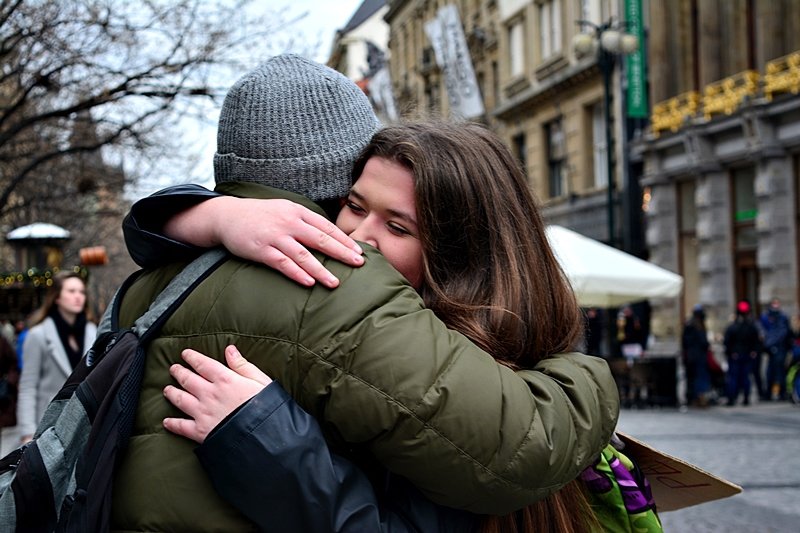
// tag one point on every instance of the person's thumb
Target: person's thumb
(243, 367)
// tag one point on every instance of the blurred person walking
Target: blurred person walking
(60, 333)
(695, 345)
(777, 342)
(7, 331)
(9, 379)
(629, 333)
(594, 331)
(742, 346)
(21, 328)
(793, 369)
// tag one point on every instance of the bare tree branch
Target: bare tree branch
(134, 67)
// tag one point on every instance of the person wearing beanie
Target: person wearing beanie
(742, 346)
(291, 124)
(318, 123)
(361, 358)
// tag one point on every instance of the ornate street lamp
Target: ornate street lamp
(607, 41)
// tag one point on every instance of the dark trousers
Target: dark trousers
(776, 371)
(755, 368)
(739, 368)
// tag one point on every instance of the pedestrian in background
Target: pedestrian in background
(742, 346)
(594, 331)
(695, 345)
(9, 379)
(629, 333)
(777, 342)
(21, 329)
(61, 332)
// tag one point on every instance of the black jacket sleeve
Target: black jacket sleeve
(144, 225)
(270, 461)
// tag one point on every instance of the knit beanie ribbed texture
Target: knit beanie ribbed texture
(295, 125)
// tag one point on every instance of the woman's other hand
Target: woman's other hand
(275, 232)
(211, 392)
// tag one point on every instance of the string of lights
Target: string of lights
(36, 277)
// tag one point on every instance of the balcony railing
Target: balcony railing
(670, 114)
(783, 75)
(727, 95)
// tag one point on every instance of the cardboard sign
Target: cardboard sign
(676, 484)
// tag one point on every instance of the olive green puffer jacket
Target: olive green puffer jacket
(381, 373)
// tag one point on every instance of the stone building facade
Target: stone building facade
(708, 187)
(721, 160)
(543, 99)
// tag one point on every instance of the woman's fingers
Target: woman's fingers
(293, 258)
(298, 264)
(245, 368)
(280, 234)
(328, 238)
(188, 380)
(192, 407)
(185, 401)
(210, 369)
(185, 428)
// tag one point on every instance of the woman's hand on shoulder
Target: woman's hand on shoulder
(211, 392)
(275, 232)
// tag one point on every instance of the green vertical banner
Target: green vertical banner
(635, 64)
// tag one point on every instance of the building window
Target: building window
(599, 147)
(481, 84)
(745, 237)
(432, 95)
(687, 226)
(549, 28)
(592, 11)
(519, 150)
(495, 84)
(556, 158)
(516, 48)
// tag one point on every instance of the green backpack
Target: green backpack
(620, 495)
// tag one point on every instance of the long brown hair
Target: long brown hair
(489, 271)
(52, 294)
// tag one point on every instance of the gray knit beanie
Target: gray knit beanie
(295, 125)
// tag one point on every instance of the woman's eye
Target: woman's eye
(355, 208)
(398, 230)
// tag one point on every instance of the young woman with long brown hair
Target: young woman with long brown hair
(61, 331)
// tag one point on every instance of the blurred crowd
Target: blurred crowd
(761, 356)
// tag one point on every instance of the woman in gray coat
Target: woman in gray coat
(60, 333)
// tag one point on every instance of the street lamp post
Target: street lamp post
(608, 41)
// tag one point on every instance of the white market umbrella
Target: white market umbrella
(603, 276)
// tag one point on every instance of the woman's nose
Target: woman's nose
(364, 234)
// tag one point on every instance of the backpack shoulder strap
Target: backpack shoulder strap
(162, 307)
(109, 322)
(176, 292)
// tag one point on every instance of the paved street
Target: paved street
(757, 447)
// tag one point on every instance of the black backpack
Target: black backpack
(61, 480)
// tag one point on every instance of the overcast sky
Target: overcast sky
(323, 19)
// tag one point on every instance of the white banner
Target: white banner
(380, 91)
(452, 56)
